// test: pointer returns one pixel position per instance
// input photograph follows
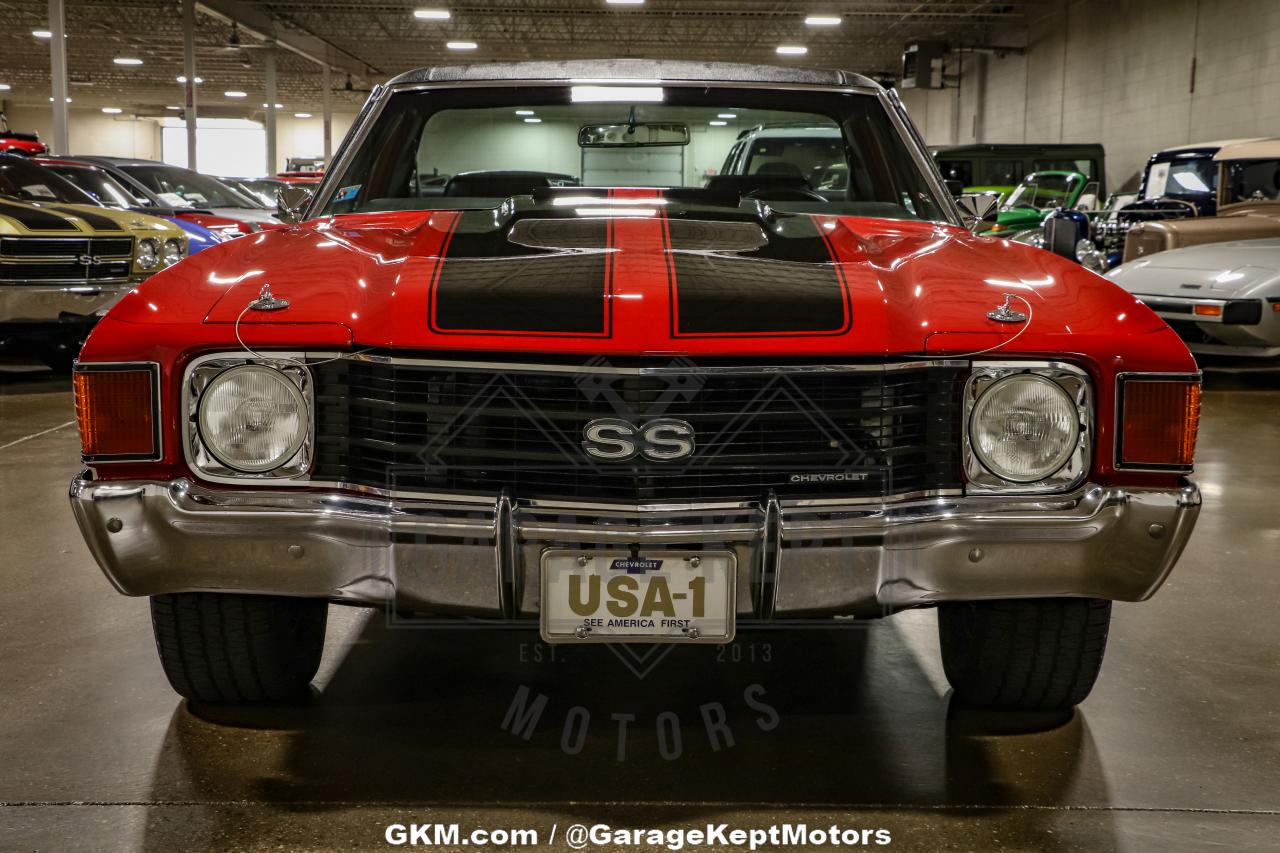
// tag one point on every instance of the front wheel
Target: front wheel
(230, 648)
(1037, 654)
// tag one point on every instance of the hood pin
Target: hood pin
(1005, 313)
(267, 301)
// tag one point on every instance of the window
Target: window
(1001, 173)
(814, 152)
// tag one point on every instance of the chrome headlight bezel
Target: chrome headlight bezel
(150, 261)
(179, 251)
(200, 374)
(1074, 383)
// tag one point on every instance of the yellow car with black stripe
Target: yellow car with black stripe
(64, 263)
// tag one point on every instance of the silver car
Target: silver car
(1222, 298)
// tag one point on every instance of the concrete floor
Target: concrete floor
(1177, 749)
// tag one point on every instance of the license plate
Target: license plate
(652, 597)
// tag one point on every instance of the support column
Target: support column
(328, 115)
(58, 76)
(190, 112)
(270, 73)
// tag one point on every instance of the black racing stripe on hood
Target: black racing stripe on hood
(36, 219)
(487, 284)
(791, 285)
(98, 222)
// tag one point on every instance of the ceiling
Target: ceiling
(373, 41)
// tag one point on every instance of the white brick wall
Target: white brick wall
(1119, 72)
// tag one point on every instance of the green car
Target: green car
(1039, 194)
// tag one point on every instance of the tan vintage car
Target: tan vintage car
(1248, 204)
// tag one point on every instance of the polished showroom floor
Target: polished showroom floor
(1177, 749)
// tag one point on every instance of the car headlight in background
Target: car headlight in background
(173, 251)
(1091, 257)
(251, 419)
(147, 255)
(1027, 427)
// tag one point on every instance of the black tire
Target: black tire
(223, 648)
(1039, 654)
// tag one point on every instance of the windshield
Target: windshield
(1040, 191)
(819, 152)
(29, 182)
(1187, 177)
(263, 190)
(1254, 180)
(192, 187)
(99, 184)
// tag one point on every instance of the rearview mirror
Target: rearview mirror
(292, 202)
(976, 208)
(632, 135)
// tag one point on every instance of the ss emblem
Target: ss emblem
(659, 440)
(88, 260)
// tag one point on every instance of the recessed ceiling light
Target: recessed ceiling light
(792, 49)
(111, 111)
(127, 60)
(533, 121)
(824, 20)
(625, 2)
(717, 123)
(42, 34)
(524, 112)
(432, 14)
(461, 45)
(175, 109)
(183, 79)
(302, 115)
(4, 87)
(727, 115)
(237, 94)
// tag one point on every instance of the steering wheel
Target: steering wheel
(787, 194)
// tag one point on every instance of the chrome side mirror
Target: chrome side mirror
(976, 208)
(292, 202)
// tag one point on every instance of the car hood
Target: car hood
(1234, 269)
(54, 219)
(245, 214)
(641, 276)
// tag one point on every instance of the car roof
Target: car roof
(117, 161)
(65, 161)
(1215, 143)
(1256, 149)
(673, 71)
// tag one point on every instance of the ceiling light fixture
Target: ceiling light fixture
(264, 106)
(727, 115)
(625, 2)
(717, 123)
(432, 14)
(237, 94)
(302, 115)
(111, 111)
(792, 50)
(42, 34)
(127, 60)
(525, 112)
(461, 45)
(824, 20)
(51, 100)
(182, 79)
(175, 109)
(4, 87)
(533, 121)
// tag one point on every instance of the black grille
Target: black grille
(66, 259)
(796, 434)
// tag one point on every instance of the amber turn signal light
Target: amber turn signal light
(1160, 418)
(1208, 310)
(116, 409)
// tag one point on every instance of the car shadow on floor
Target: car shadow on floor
(782, 720)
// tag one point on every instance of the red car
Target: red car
(642, 409)
(12, 142)
(300, 177)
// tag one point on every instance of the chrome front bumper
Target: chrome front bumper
(481, 557)
(23, 303)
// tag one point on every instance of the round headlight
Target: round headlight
(148, 254)
(172, 251)
(1024, 428)
(252, 418)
